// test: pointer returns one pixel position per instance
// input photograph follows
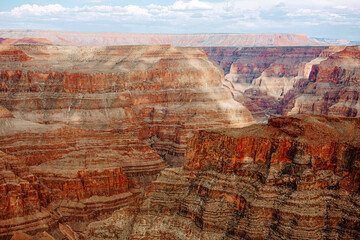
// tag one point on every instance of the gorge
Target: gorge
(294, 178)
(85, 129)
(160, 142)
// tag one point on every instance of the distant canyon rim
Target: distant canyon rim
(114, 142)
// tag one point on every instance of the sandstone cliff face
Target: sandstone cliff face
(52, 173)
(288, 80)
(330, 87)
(160, 93)
(248, 63)
(261, 76)
(79, 126)
(296, 177)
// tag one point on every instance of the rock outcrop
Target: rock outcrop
(248, 63)
(261, 76)
(288, 80)
(330, 85)
(180, 40)
(295, 177)
(159, 93)
(85, 129)
(52, 173)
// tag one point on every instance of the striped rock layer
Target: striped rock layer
(296, 177)
(159, 93)
(84, 129)
(293, 80)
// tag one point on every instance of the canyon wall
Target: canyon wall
(85, 129)
(248, 63)
(292, 80)
(159, 93)
(295, 177)
(181, 40)
(330, 85)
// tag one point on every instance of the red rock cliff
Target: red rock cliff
(291, 80)
(332, 86)
(160, 93)
(296, 177)
(84, 123)
(54, 173)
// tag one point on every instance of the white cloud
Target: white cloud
(340, 7)
(136, 11)
(36, 10)
(190, 5)
(185, 15)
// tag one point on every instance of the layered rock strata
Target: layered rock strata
(248, 63)
(330, 85)
(288, 80)
(296, 177)
(160, 93)
(79, 126)
(53, 173)
(261, 76)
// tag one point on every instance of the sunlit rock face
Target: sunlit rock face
(160, 93)
(85, 129)
(295, 177)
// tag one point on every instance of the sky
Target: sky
(338, 19)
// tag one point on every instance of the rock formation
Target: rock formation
(180, 40)
(295, 177)
(248, 63)
(53, 172)
(160, 93)
(289, 80)
(330, 85)
(79, 126)
(261, 76)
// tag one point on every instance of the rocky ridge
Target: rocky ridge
(296, 177)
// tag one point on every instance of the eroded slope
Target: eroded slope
(296, 177)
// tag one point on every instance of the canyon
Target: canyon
(296, 177)
(154, 142)
(84, 130)
(292, 80)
